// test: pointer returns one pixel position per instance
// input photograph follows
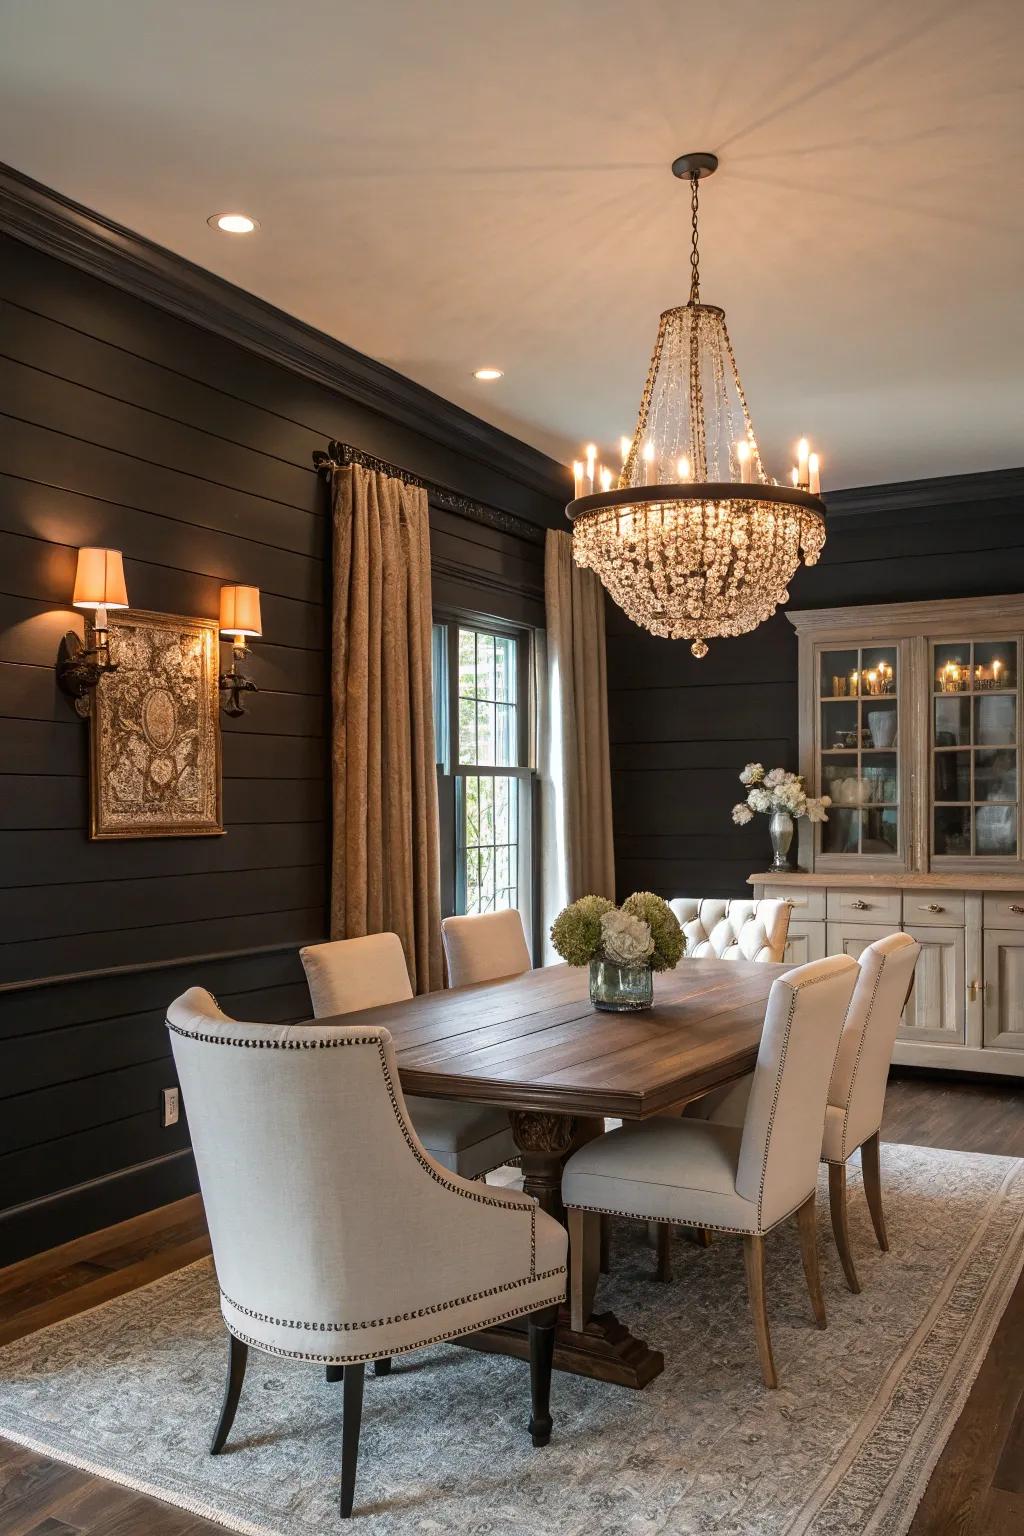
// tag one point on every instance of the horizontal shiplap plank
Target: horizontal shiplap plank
(76, 953)
(94, 998)
(90, 1154)
(102, 905)
(29, 393)
(35, 858)
(172, 541)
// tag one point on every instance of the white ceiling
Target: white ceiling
(487, 181)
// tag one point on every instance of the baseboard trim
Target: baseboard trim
(56, 1219)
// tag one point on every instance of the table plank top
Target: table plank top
(534, 1042)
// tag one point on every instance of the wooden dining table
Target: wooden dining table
(535, 1045)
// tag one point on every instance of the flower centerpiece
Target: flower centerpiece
(780, 795)
(622, 945)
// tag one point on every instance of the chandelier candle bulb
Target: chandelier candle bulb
(802, 453)
(650, 470)
(743, 456)
(579, 488)
(605, 478)
(625, 444)
(683, 468)
(591, 461)
(814, 474)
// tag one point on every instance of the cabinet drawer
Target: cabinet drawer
(1004, 909)
(933, 909)
(807, 903)
(865, 906)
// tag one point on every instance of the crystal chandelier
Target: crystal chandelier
(695, 541)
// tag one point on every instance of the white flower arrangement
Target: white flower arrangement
(626, 940)
(777, 790)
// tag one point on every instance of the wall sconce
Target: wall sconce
(239, 621)
(99, 585)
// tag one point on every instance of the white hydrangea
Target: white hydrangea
(776, 777)
(777, 790)
(760, 800)
(753, 773)
(817, 809)
(741, 814)
(626, 940)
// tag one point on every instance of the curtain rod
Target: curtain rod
(343, 455)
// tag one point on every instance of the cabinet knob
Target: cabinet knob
(860, 906)
(1016, 907)
(933, 906)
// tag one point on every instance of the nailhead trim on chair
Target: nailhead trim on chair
(669, 1221)
(384, 1322)
(402, 1349)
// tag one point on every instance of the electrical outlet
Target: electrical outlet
(171, 1107)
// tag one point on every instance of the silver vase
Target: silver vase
(780, 826)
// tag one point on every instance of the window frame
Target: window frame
(450, 772)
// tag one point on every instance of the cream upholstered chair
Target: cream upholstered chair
(336, 1237)
(856, 1095)
(733, 930)
(698, 1174)
(486, 947)
(348, 974)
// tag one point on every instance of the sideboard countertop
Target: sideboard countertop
(843, 880)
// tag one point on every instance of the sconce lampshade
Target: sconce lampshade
(99, 579)
(240, 611)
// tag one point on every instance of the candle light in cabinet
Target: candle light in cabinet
(854, 682)
(997, 667)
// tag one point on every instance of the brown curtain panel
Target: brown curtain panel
(577, 845)
(385, 873)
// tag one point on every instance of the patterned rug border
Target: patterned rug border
(903, 1489)
(927, 1438)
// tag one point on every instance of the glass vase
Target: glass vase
(621, 988)
(781, 828)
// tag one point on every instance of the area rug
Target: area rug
(131, 1391)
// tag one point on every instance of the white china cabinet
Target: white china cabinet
(910, 719)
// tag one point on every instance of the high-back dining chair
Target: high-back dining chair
(486, 947)
(744, 1180)
(733, 930)
(346, 975)
(856, 1095)
(336, 1237)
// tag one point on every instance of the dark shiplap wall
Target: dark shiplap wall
(123, 426)
(682, 729)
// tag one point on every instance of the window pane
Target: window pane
(488, 841)
(952, 830)
(952, 722)
(995, 775)
(505, 668)
(995, 829)
(488, 716)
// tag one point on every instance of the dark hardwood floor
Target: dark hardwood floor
(977, 1488)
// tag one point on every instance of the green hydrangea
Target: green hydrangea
(576, 931)
(664, 925)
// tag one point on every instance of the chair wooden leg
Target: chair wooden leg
(702, 1237)
(351, 1419)
(840, 1226)
(663, 1273)
(606, 1244)
(807, 1224)
(542, 1354)
(872, 1172)
(333, 1373)
(238, 1354)
(382, 1367)
(753, 1261)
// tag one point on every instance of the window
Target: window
(485, 781)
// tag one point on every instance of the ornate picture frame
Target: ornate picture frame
(155, 750)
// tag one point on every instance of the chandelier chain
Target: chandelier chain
(694, 252)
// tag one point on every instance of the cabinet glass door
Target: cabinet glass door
(858, 750)
(975, 749)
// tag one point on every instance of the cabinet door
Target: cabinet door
(845, 938)
(937, 1005)
(806, 941)
(1004, 988)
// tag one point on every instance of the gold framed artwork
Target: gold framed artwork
(155, 730)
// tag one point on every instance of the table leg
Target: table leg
(604, 1349)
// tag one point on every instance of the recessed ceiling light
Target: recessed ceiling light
(489, 373)
(233, 223)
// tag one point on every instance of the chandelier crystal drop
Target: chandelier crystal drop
(695, 541)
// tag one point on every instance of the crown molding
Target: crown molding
(917, 495)
(45, 219)
(920, 617)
